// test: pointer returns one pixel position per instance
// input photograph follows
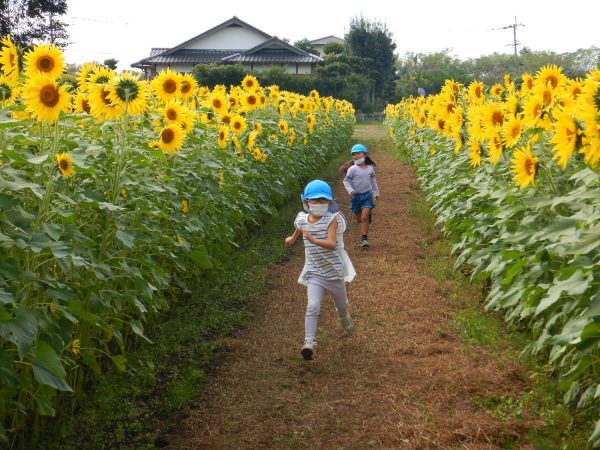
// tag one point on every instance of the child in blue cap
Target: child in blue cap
(361, 184)
(327, 266)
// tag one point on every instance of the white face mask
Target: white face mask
(318, 209)
(360, 161)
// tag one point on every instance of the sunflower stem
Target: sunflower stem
(549, 178)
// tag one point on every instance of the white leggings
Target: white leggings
(317, 287)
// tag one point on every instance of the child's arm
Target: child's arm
(328, 243)
(289, 241)
(348, 183)
(374, 187)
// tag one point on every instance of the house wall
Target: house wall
(301, 69)
(228, 38)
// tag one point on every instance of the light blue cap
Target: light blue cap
(317, 189)
(359, 148)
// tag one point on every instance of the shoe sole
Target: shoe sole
(307, 353)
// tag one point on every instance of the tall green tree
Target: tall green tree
(304, 44)
(371, 39)
(31, 21)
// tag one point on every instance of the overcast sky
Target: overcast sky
(127, 29)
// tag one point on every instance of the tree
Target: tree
(111, 63)
(304, 44)
(30, 21)
(334, 48)
(371, 39)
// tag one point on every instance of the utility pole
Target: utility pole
(515, 43)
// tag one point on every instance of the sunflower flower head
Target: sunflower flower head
(127, 90)
(75, 346)
(46, 60)
(9, 59)
(44, 99)
(166, 85)
(64, 161)
(523, 166)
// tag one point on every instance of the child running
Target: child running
(361, 184)
(327, 266)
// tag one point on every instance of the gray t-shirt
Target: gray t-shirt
(361, 179)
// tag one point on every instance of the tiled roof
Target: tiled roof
(273, 56)
(326, 40)
(190, 56)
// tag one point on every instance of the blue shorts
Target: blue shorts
(360, 201)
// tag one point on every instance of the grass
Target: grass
(132, 410)
(552, 425)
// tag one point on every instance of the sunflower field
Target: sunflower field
(511, 173)
(116, 195)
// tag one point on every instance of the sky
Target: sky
(127, 29)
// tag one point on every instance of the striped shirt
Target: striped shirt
(361, 180)
(318, 260)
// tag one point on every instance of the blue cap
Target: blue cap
(317, 189)
(359, 148)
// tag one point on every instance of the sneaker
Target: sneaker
(347, 322)
(308, 349)
(364, 243)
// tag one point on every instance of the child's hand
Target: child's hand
(307, 235)
(289, 241)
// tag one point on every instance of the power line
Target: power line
(515, 42)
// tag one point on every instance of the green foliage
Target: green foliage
(27, 22)
(304, 44)
(430, 70)
(111, 63)
(538, 248)
(334, 48)
(371, 39)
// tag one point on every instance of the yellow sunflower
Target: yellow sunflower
(64, 162)
(251, 140)
(512, 130)
(258, 127)
(171, 139)
(523, 167)
(172, 111)
(496, 90)
(44, 99)
(101, 106)
(187, 85)
(310, 122)
(185, 207)
(567, 137)
(223, 136)
(291, 137)
(474, 152)
(495, 148)
(85, 70)
(250, 83)
(527, 84)
(129, 92)
(283, 126)
(166, 85)
(250, 101)
(44, 59)
(9, 59)
(102, 75)
(75, 346)
(81, 103)
(8, 91)
(550, 76)
(217, 101)
(238, 124)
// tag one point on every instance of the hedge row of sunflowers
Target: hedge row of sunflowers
(115, 195)
(512, 174)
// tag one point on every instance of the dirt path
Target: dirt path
(403, 379)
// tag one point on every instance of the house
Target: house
(318, 44)
(233, 41)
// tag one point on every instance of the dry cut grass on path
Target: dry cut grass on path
(403, 379)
